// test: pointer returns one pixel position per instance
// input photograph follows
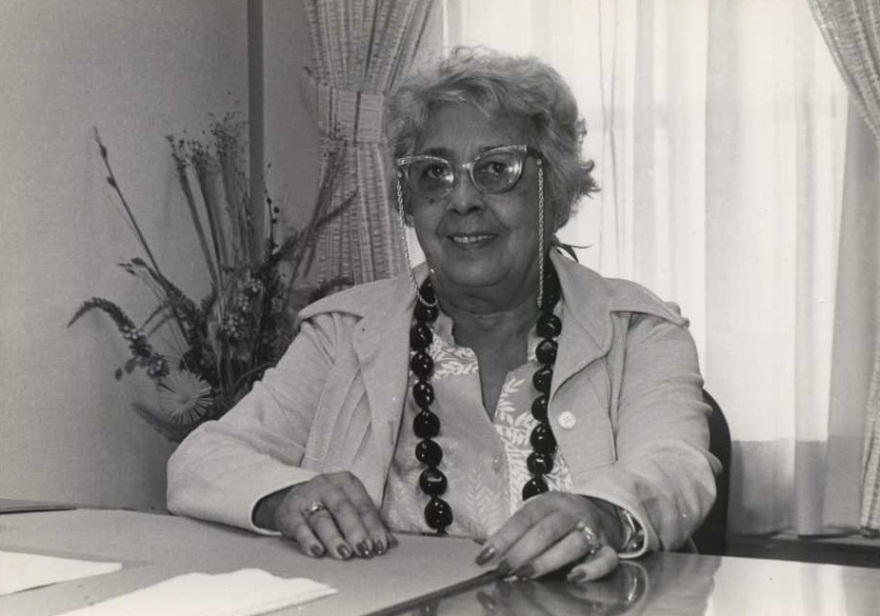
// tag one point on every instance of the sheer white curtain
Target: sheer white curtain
(852, 30)
(719, 129)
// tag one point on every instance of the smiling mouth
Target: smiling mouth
(470, 240)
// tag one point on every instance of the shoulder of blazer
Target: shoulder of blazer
(380, 299)
(592, 296)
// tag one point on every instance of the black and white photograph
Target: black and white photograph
(440, 307)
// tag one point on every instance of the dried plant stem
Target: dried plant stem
(201, 171)
(111, 179)
(181, 164)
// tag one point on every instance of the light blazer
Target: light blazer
(625, 407)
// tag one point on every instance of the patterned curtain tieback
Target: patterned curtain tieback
(346, 115)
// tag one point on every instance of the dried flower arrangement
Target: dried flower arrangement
(258, 283)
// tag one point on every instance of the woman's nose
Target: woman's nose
(465, 196)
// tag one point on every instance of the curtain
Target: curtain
(360, 48)
(852, 30)
(719, 131)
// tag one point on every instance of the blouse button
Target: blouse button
(496, 463)
(567, 420)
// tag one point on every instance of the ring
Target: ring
(314, 507)
(593, 542)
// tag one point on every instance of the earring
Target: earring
(401, 220)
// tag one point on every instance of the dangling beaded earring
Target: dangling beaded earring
(432, 303)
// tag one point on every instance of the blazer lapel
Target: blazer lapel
(587, 335)
(381, 344)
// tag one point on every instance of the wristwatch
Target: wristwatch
(633, 533)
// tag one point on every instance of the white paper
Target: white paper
(246, 592)
(19, 571)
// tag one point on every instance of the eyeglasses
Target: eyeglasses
(492, 172)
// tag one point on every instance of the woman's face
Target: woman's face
(479, 244)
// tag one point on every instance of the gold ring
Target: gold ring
(314, 507)
(594, 544)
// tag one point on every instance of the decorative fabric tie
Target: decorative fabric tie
(346, 115)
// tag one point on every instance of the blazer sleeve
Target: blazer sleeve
(223, 468)
(664, 472)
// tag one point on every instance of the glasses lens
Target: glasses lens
(498, 171)
(430, 177)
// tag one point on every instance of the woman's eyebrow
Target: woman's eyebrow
(449, 154)
(440, 152)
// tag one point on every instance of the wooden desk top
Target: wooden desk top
(436, 575)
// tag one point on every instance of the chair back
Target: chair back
(711, 536)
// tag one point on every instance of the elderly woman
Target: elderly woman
(500, 391)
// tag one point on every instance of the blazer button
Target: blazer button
(567, 420)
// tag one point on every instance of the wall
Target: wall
(137, 70)
(291, 138)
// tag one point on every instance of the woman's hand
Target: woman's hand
(553, 530)
(617, 593)
(329, 514)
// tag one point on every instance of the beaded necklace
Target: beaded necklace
(426, 424)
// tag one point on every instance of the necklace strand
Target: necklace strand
(426, 424)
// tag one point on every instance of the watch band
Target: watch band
(633, 533)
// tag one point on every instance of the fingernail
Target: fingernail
(526, 571)
(363, 550)
(344, 552)
(577, 576)
(317, 551)
(379, 547)
(503, 568)
(488, 603)
(485, 556)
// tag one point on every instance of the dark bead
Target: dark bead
(539, 463)
(542, 379)
(548, 325)
(551, 297)
(423, 392)
(426, 425)
(432, 481)
(426, 314)
(550, 277)
(542, 439)
(552, 292)
(420, 337)
(421, 364)
(546, 351)
(438, 514)
(533, 487)
(539, 408)
(429, 452)
(427, 291)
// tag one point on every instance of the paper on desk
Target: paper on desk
(246, 592)
(19, 571)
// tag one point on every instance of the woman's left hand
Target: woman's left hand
(547, 533)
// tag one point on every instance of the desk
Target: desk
(436, 575)
(670, 584)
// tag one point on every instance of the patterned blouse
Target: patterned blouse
(484, 457)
